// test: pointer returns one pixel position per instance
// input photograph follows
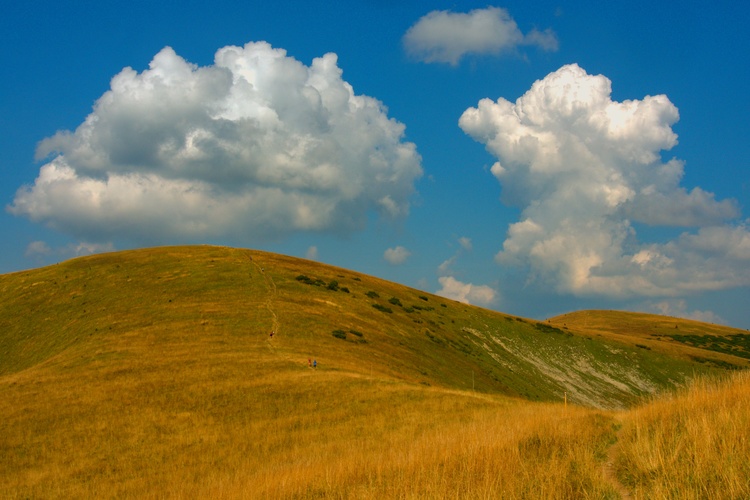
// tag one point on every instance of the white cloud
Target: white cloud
(397, 255)
(312, 253)
(37, 249)
(467, 293)
(255, 146)
(465, 243)
(443, 36)
(584, 169)
(40, 249)
(445, 268)
(678, 309)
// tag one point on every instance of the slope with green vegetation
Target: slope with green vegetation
(184, 371)
(705, 343)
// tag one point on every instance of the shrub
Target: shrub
(333, 285)
(339, 334)
(372, 295)
(395, 301)
(383, 308)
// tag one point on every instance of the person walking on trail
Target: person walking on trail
(309, 363)
(315, 363)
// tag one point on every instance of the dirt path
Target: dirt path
(609, 472)
(275, 324)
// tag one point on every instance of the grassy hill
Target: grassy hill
(155, 371)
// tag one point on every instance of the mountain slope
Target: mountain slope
(709, 344)
(169, 305)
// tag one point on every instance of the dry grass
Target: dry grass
(437, 449)
(693, 445)
(220, 425)
(152, 374)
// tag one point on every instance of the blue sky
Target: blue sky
(530, 157)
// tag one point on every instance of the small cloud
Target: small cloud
(465, 243)
(312, 253)
(444, 269)
(397, 255)
(40, 250)
(467, 293)
(446, 37)
(37, 249)
(91, 248)
(678, 309)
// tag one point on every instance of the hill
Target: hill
(705, 343)
(155, 370)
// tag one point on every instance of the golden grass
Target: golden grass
(212, 430)
(693, 445)
(151, 374)
(440, 449)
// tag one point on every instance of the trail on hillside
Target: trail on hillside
(609, 471)
(271, 285)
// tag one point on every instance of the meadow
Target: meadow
(154, 374)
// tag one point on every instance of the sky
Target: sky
(535, 158)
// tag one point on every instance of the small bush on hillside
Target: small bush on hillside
(344, 289)
(423, 298)
(309, 281)
(383, 308)
(372, 295)
(341, 334)
(434, 338)
(395, 301)
(333, 285)
(423, 308)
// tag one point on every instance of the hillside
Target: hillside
(95, 312)
(705, 343)
(155, 370)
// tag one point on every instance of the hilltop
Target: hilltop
(156, 370)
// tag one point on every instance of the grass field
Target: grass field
(154, 374)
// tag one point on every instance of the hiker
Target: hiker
(315, 363)
(272, 333)
(309, 362)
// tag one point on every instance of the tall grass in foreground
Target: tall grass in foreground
(507, 451)
(695, 444)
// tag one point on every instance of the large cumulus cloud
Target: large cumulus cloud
(586, 170)
(254, 146)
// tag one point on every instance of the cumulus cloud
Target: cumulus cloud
(397, 255)
(584, 169)
(444, 36)
(467, 293)
(255, 146)
(465, 243)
